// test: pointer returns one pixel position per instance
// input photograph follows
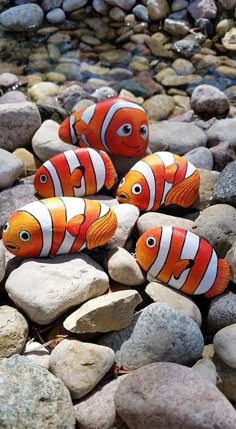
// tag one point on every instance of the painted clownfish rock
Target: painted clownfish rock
(56, 226)
(182, 260)
(161, 178)
(75, 174)
(116, 125)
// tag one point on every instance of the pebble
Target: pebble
(207, 183)
(13, 97)
(181, 137)
(67, 280)
(222, 312)
(159, 107)
(42, 402)
(43, 89)
(10, 169)
(182, 66)
(127, 216)
(157, 9)
(222, 131)
(18, 123)
(24, 17)
(185, 397)
(152, 219)
(217, 224)
(226, 380)
(201, 157)
(225, 189)
(225, 345)
(228, 40)
(164, 295)
(231, 259)
(209, 101)
(222, 155)
(103, 415)
(46, 142)
(14, 331)
(123, 268)
(39, 354)
(2, 261)
(202, 9)
(167, 334)
(80, 365)
(175, 80)
(206, 368)
(109, 312)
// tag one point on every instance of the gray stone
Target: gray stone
(183, 399)
(71, 5)
(225, 345)
(231, 259)
(226, 380)
(200, 157)
(222, 312)
(208, 101)
(223, 154)
(26, 17)
(152, 220)
(41, 402)
(18, 123)
(50, 4)
(58, 284)
(225, 186)
(222, 131)
(13, 331)
(56, 16)
(157, 333)
(202, 9)
(207, 369)
(80, 365)
(127, 216)
(13, 97)
(10, 169)
(124, 4)
(207, 183)
(2, 261)
(140, 12)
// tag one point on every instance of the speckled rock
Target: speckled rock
(207, 369)
(127, 216)
(13, 332)
(80, 365)
(123, 268)
(208, 101)
(67, 280)
(18, 123)
(225, 345)
(222, 312)
(150, 220)
(217, 224)
(225, 186)
(167, 334)
(182, 399)
(22, 18)
(165, 295)
(25, 405)
(10, 169)
(39, 354)
(200, 157)
(207, 183)
(222, 131)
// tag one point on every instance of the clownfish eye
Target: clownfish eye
(144, 132)
(136, 189)
(122, 182)
(6, 227)
(151, 242)
(43, 178)
(24, 235)
(125, 130)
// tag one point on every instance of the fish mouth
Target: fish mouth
(123, 196)
(12, 246)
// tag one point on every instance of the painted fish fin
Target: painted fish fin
(180, 266)
(73, 226)
(111, 175)
(222, 279)
(169, 173)
(77, 175)
(101, 231)
(185, 192)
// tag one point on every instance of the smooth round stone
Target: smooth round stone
(14, 331)
(207, 182)
(178, 5)
(10, 169)
(67, 280)
(182, 66)
(115, 57)
(80, 365)
(2, 261)
(165, 295)
(176, 27)
(183, 399)
(56, 16)
(100, 6)
(179, 136)
(103, 93)
(50, 4)
(124, 4)
(140, 12)
(225, 345)
(43, 89)
(109, 312)
(159, 107)
(22, 18)
(29, 160)
(42, 402)
(157, 9)
(175, 80)
(127, 216)
(70, 70)
(7, 80)
(116, 14)
(225, 186)
(200, 157)
(231, 259)
(71, 5)
(13, 97)
(152, 220)
(167, 334)
(222, 131)
(206, 368)
(123, 268)
(18, 123)
(39, 354)
(209, 101)
(104, 414)
(223, 154)
(226, 71)
(222, 312)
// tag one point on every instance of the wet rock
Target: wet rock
(59, 283)
(14, 331)
(202, 9)
(157, 9)
(209, 102)
(206, 368)
(80, 365)
(176, 27)
(22, 18)
(222, 154)
(183, 398)
(56, 16)
(222, 131)
(183, 67)
(200, 157)
(222, 312)
(25, 404)
(207, 183)
(127, 216)
(167, 334)
(10, 169)
(151, 220)
(225, 189)
(109, 312)
(123, 268)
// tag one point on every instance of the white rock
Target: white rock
(13, 331)
(10, 168)
(151, 220)
(123, 268)
(127, 216)
(207, 369)
(80, 365)
(225, 345)
(46, 142)
(46, 288)
(37, 353)
(2, 261)
(165, 295)
(109, 312)
(43, 89)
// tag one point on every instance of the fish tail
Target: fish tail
(111, 175)
(222, 279)
(101, 231)
(185, 192)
